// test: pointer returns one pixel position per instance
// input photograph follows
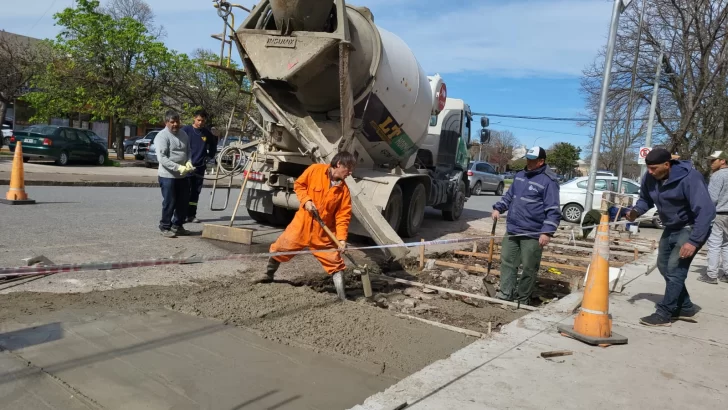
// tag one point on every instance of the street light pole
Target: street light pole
(619, 7)
(630, 102)
(653, 106)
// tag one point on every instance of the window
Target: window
(433, 120)
(489, 169)
(83, 138)
(630, 188)
(70, 135)
(599, 185)
(481, 167)
(465, 135)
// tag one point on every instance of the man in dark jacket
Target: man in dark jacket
(203, 146)
(686, 210)
(532, 203)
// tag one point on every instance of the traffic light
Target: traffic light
(484, 136)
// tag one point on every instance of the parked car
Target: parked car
(483, 177)
(150, 157)
(128, 144)
(572, 197)
(141, 146)
(98, 139)
(61, 144)
(7, 133)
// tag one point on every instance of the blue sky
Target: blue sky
(520, 57)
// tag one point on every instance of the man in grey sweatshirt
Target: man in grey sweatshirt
(173, 153)
(718, 240)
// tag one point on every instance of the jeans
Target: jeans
(675, 271)
(718, 247)
(196, 180)
(514, 251)
(175, 194)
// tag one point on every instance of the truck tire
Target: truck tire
(259, 217)
(281, 216)
(415, 199)
(393, 211)
(454, 210)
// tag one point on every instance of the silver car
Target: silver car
(141, 146)
(483, 177)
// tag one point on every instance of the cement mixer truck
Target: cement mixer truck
(325, 78)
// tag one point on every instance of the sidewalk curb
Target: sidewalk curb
(111, 184)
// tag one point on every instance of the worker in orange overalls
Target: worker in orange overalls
(321, 189)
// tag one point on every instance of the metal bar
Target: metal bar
(653, 105)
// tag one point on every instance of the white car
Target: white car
(572, 197)
(7, 133)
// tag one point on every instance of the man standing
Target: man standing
(532, 203)
(718, 239)
(685, 208)
(173, 152)
(320, 189)
(203, 145)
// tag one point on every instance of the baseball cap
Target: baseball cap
(719, 155)
(536, 153)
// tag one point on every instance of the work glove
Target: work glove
(189, 166)
(182, 169)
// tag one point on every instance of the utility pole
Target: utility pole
(619, 7)
(630, 102)
(653, 105)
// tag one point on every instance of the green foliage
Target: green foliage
(563, 156)
(517, 165)
(105, 67)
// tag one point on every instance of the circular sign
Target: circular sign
(644, 152)
(441, 97)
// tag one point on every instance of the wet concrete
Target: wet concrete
(160, 359)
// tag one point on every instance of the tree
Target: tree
(20, 59)
(693, 99)
(108, 68)
(138, 10)
(563, 157)
(499, 151)
(197, 85)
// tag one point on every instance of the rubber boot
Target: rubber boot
(339, 284)
(271, 269)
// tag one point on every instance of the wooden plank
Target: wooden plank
(455, 292)
(228, 234)
(571, 286)
(443, 326)
(553, 245)
(545, 263)
(591, 245)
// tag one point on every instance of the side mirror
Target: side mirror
(484, 122)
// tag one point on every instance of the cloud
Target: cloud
(513, 39)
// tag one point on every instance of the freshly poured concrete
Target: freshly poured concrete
(165, 360)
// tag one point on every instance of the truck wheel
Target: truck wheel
(415, 199)
(260, 217)
(455, 209)
(393, 211)
(281, 216)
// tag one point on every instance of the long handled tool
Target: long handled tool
(365, 281)
(489, 288)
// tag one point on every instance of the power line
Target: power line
(542, 130)
(44, 13)
(570, 119)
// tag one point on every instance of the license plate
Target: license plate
(28, 141)
(281, 42)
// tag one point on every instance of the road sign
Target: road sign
(643, 154)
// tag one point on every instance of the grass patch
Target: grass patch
(6, 153)
(111, 163)
(508, 181)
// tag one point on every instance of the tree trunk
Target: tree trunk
(118, 136)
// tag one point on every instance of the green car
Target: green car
(61, 144)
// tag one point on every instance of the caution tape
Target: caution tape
(78, 267)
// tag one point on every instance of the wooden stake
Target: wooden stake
(490, 327)
(443, 326)
(455, 292)
(422, 255)
(556, 353)
(475, 246)
(636, 254)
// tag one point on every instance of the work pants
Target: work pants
(517, 251)
(675, 271)
(175, 194)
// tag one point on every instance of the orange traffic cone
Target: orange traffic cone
(593, 325)
(16, 194)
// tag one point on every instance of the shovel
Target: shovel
(489, 288)
(365, 281)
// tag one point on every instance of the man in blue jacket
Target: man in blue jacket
(532, 203)
(203, 145)
(685, 207)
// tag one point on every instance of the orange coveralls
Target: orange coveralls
(334, 207)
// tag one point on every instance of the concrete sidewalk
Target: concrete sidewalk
(683, 366)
